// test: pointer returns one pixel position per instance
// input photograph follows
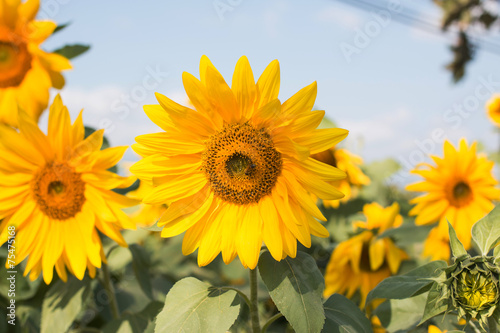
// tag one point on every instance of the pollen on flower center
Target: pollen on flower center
(461, 194)
(15, 62)
(58, 191)
(241, 163)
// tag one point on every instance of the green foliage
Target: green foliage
(407, 285)
(486, 232)
(457, 248)
(140, 264)
(296, 287)
(72, 51)
(401, 315)
(342, 315)
(63, 303)
(135, 322)
(195, 306)
(61, 27)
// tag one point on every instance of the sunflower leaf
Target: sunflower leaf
(195, 306)
(296, 286)
(140, 266)
(486, 231)
(61, 27)
(457, 248)
(72, 51)
(342, 315)
(63, 303)
(25, 288)
(413, 283)
(401, 315)
(134, 322)
(435, 304)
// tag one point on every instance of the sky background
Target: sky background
(393, 94)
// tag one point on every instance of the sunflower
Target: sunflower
(26, 72)
(437, 244)
(236, 171)
(348, 162)
(56, 191)
(493, 108)
(362, 261)
(146, 215)
(459, 188)
(435, 329)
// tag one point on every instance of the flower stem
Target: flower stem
(270, 321)
(106, 283)
(492, 325)
(254, 310)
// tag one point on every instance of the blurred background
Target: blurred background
(381, 66)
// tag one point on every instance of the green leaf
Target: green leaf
(435, 304)
(140, 265)
(401, 315)
(407, 233)
(134, 322)
(195, 306)
(61, 27)
(342, 315)
(62, 304)
(25, 288)
(496, 252)
(72, 51)
(296, 286)
(457, 248)
(413, 283)
(486, 231)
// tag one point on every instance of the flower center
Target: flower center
(475, 291)
(15, 62)
(58, 191)
(241, 163)
(461, 194)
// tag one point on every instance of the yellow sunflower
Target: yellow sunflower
(236, 171)
(437, 244)
(56, 191)
(348, 162)
(493, 108)
(146, 215)
(435, 329)
(26, 71)
(459, 188)
(363, 261)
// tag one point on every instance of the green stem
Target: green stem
(270, 321)
(254, 310)
(106, 283)
(242, 295)
(492, 325)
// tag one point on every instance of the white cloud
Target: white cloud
(378, 134)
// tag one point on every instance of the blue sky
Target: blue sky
(394, 94)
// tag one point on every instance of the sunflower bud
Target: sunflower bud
(473, 286)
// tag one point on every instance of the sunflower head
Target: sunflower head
(26, 71)
(364, 260)
(348, 162)
(56, 190)
(472, 286)
(235, 169)
(459, 188)
(493, 109)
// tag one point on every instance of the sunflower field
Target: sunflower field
(237, 201)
